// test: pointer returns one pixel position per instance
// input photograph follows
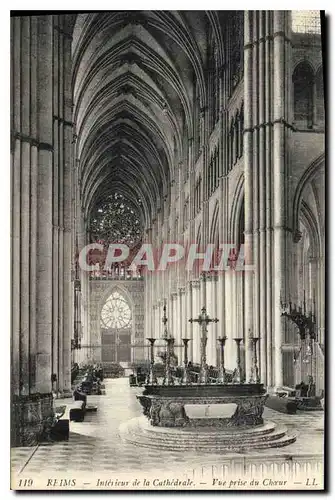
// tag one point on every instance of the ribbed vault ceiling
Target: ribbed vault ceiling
(133, 81)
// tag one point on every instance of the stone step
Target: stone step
(278, 443)
(224, 442)
(281, 431)
(165, 432)
(208, 442)
(137, 433)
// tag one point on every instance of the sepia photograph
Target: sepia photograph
(168, 243)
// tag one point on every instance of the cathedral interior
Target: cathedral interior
(152, 127)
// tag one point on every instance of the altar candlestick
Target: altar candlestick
(222, 372)
(186, 379)
(237, 375)
(254, 379)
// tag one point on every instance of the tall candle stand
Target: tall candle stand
(306, 323)
(151, 380)
(168, 379)
(237, 373)
(186, 377)
(222, 371)
(254, 378)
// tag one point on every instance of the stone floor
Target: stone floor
(95, 445)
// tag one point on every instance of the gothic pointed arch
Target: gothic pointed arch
(116, 324)
(238, 200)
(303, 98)
(306, 178)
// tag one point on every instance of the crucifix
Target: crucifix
(203, 319)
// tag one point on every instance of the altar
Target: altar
(164, 406)
(166, 420)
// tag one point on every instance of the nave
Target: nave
(192, 131)
(95, 446)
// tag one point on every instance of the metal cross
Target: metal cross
(203, 319)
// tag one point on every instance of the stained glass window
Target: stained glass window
(116, 312)
(116, 220)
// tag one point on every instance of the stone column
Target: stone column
(196, 309)
(248, 180)
(25, 215)
(260, 326)
(321, 300)
(56, 193)
(64, 132)
(281, 129)
(44, 216)
(147, 306)
(189, 314)
(222, 332)
(15, 195)
(257, 106)
(214, 327)
(182, 314)
(230, 359)
(266, 337)
(267, 73)
(155, 332)
(174, 316)
(40, 153)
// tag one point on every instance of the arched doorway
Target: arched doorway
(116, 323)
